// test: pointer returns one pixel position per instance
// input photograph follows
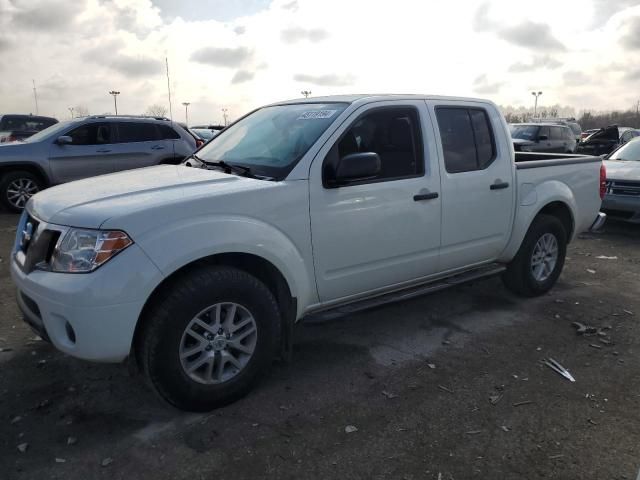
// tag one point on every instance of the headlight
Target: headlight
(81, 251)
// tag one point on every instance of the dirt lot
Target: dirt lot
(416, 379)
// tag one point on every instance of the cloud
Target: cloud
(538, 62)
(240, 30)
(296, 34)
(198, 10)
(293, 6)
(4, 44)
(575, 77)
(139, 66)
(221, 57)
(329, 80)
(632, 75)
(631, 37)
(481, 21)
(482, 85)
(603, 10)
(242, 76)
(46, 15)
(532, 35)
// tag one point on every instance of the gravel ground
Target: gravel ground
(441, 387)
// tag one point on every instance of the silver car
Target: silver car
(622, 199)
(87, 147)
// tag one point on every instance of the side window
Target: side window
(467, 139)
(392, 133)
(129, 132)
(167, 133)
(91, 134)
(544, 132)
(556, 133)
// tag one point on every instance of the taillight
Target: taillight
(603, 181)
(12, 138)
(199, 143)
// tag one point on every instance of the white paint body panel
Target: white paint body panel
(329, 244)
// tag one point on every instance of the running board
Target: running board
(414, 291)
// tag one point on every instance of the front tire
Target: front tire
(540, 259)
(209, 337)
(16, 188)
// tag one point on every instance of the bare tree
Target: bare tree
(80, 111)
(156, 110)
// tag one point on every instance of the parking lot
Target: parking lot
(439, 387)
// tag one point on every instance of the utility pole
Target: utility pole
(224, 115)
(535, 106)
(186, 112)
(166, 62)
(35, 95)
(115, 102)
(71, 111)
(306, 93)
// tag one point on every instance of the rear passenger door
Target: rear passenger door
(140, 145)
(544, 140)
(559, 140)
(477, 174)
(91, 152)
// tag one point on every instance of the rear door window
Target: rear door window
(129, 132)
(467, 138)
(167, 133)
(556, 133)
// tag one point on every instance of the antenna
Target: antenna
(166, 61)
(35, 96)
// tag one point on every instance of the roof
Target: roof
(377, 97)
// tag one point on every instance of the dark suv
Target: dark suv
(18, 127)
(542, 137)
(85, 147)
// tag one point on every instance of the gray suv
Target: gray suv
(542, 137)
(87, 147)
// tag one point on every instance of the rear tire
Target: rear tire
(540, 259)
(16, 188)
(209, 296)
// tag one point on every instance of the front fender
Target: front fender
(173, 246)
(530, 203)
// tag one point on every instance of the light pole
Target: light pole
(535, 106)
(306, 93)
(186, 112)
(115, 101)
(71, 111)
(224, 115)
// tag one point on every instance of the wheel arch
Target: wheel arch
(30, 167)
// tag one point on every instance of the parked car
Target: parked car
(605, 140)
(622, 200)
(85, 147)
(198, 139)
(569, 122)
(18, 127)
(199, 271)
(542, 137)
(586, 133)
(206, 133)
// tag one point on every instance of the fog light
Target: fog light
(71, 334)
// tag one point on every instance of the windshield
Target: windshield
(525, 132)
(272, 140)
(629, 151)
(58, 127)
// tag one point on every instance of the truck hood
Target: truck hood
(623, 170)
(89, 203)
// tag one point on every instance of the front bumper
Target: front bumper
(622, 207)
(90, 316)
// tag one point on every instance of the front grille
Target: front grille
(36, 243)
(619, 187)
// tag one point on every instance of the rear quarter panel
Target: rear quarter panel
(575, 185)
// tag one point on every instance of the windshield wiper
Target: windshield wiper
(227, 167)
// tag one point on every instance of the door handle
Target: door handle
(103, 150)
(499, 185)
(425, 196)
(157, 147)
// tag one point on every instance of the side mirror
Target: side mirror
(357, 166)
(543, 137)
(64, 140)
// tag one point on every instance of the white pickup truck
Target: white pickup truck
(199, 271)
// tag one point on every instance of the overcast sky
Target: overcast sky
(240, 54)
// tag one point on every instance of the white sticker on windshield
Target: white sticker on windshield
(317, 114)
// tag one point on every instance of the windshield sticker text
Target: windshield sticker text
(317, 114)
